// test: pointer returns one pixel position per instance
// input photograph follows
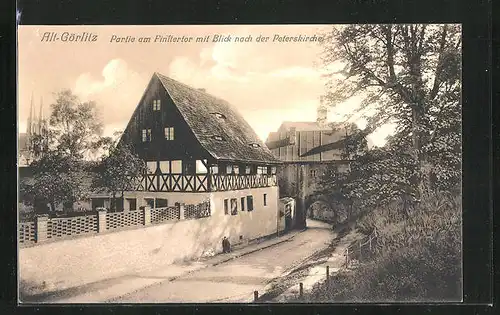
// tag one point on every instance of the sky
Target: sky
(268, 82)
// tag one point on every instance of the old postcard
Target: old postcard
(240, 164)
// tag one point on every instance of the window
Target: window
(247, 169)
(236, 169)
(265, 200)
(189, 167)
(132, 204)
(234, 206)
(313, 173)
(229, 169)
(214, 169)
(261, 170)
(242, 203)
(169, 133)
(249, 203)
(253, 169)
(273, 170)
(219, 115)
(150, 202)
(161, 203)
(165, 167)
(176, 167)
(151, 167)
(200, 167)
(226, 206)
(156, 105)
(146, 135)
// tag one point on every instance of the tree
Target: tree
(75, 126)
(375, 176)
(61, 167)
(116, 168)
(409, 75)
(58, 179)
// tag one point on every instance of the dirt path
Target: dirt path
(236, 280)
(313, 269)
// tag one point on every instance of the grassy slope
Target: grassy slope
(417, 258)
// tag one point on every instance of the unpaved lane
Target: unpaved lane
(235, 281)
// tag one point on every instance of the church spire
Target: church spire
(29, 127)
(41, 122)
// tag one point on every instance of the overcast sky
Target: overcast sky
(267, 82)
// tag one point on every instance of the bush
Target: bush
(417, 258)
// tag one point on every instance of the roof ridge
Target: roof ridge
(190, 87)
(241, 134)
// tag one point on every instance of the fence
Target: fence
(363, 248)
(43, 228)
(201, 210)
(160, 215)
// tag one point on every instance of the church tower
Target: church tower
(322, 112)
(42, 123)
(30, 128)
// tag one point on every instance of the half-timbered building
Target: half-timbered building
(197, 148)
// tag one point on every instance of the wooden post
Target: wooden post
(41, 227)
(301, 290)
(327, 274)
(146, 215)
(278, 220)
(181, 208)
(101, 220)
(255, 295)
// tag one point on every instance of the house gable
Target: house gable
(145, 119)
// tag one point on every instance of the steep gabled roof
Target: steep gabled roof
(210, 117)
(304, 126)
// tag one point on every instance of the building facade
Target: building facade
(306, 150)
(198, 148)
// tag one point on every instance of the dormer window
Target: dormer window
(254, 145)
(219, 115)
(218, 138)
(156, 105)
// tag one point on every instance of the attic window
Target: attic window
(218, 138)
(156, 105)
(219, 115)
(254, 145)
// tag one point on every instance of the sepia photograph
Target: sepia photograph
(240, 163)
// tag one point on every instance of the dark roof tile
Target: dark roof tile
(199, 108)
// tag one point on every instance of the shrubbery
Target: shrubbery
(417, 258)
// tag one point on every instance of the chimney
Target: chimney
(292, 134)
(322, 112)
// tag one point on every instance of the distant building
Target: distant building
(306, 150)
(197, 148)
(36, 126)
